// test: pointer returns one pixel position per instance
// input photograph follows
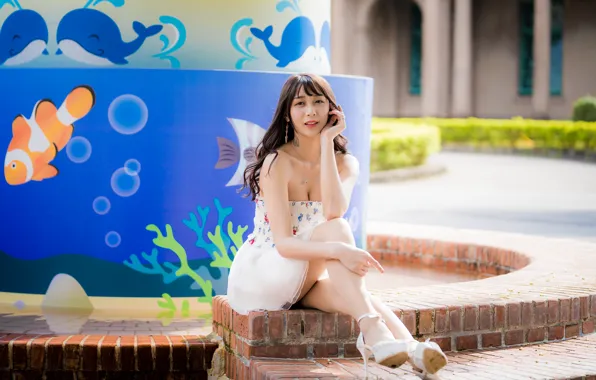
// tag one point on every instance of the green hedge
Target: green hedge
(404, 142)
(584, 109)
(396, 144)
(517, 133)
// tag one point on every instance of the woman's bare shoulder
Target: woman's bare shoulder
(278, 161)
(275, 172)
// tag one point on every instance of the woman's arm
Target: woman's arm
(338, 172)
(275, 175)
(337, 181)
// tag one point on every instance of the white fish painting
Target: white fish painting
(354, 219)
(249, 136)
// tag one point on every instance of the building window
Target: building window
(556, 47)
(415, 50)
(526, 53)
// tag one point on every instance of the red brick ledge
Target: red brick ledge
(301, 334)
(44, 354)
(545, 297)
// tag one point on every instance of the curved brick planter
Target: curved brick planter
(545, 293)
(552, 296)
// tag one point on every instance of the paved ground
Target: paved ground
(571, 359)
(537, 196)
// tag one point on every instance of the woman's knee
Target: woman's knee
(334, 230)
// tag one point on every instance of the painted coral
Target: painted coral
(222, 245)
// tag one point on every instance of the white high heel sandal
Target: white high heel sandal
(428, 358)
(390, 353)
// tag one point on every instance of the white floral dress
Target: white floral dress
(260, 278)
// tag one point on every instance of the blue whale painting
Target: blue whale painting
(326, 38)
(92, 37)
(23, 37)
(298, 36)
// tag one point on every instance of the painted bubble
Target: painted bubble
(128, 114)
(132, 167)
(124, 184)
(113, 239)
(78, 149)
(101, 205)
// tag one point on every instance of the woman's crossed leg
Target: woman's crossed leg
(332, 287)
(329, 282)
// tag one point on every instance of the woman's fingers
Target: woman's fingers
(375, 263)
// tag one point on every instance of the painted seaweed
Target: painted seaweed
(221, 245)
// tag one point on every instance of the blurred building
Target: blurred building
(453, 58)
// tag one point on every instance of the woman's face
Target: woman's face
(309, 114)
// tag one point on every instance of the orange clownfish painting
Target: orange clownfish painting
(36, 141)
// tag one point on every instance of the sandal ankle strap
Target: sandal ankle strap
(370, 315)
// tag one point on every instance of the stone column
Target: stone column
(339, 22)
(436, 29)
(355, 36)
(462, 60)
(541, 75)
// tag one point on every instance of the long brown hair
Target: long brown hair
(276, 133)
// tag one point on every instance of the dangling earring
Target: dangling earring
(286, 133)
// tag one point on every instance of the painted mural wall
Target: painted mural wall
(125, 135)
(283, 35)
